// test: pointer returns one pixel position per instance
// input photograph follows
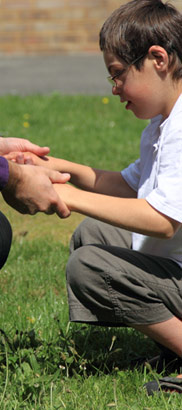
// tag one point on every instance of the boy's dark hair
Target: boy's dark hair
(134, 27)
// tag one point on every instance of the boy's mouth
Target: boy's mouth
(125, 101)
(128, 105)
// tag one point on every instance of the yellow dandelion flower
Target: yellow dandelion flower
(105, 100)
(26, 116)
(26, 124)
(31, 319)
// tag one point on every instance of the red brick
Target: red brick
(53, 26)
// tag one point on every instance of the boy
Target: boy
(125, 266)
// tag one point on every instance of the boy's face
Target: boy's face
(144, 91)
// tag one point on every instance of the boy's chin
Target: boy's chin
(138, 113)
(141, 115)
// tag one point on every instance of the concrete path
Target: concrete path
(74, 74)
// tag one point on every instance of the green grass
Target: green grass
(46, 362)
(79, 128)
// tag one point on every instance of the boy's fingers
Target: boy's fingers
(11, 155)
(20, 159)
(29, 161)
(58, 177)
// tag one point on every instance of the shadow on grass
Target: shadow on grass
(109, 349)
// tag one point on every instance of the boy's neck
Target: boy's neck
(172, 96)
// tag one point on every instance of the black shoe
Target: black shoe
(166, 384)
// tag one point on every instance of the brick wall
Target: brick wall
(53, 26)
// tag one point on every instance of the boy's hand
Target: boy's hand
(26, 158)
(67, 193)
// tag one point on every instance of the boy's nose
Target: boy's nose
(115, 90)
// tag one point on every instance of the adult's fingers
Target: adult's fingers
(10, 144)
(35, 149)
(61, 209)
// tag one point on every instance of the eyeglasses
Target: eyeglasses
(112, 79)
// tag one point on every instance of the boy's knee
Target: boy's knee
(84, 234)
(94, 232)
(76, 267)
(82, 271)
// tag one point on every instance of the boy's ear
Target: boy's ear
(160, 57)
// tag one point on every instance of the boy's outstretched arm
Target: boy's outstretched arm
(135, 215)
(82, 176)
(94, 180)
(110, 199)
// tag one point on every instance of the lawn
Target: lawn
(45, 361)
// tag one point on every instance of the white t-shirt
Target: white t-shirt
(157, 177)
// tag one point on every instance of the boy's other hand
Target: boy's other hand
(25, 158)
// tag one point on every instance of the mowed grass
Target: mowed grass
(45, 361)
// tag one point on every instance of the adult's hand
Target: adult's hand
(21, 145)
(30, 190)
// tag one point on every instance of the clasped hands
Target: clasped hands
(31, 189)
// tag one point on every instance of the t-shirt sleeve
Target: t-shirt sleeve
(131, 174)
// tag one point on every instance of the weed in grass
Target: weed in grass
(75, 362)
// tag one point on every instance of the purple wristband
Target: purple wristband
(4, 172)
